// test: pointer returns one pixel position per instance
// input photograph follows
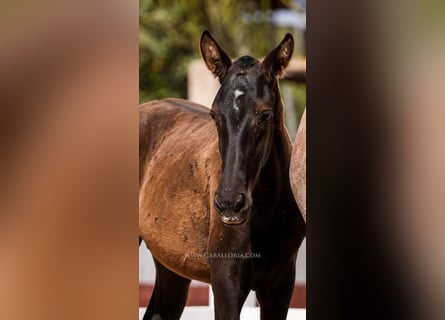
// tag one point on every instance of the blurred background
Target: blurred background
(170, 65)
(169, 33)
(69, 94)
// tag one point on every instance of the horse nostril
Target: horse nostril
(234, 203)
(218, 206)
(240, 201)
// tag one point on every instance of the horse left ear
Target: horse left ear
(278, 59)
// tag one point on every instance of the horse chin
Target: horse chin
(234, 219)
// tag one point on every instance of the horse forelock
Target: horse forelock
(245, 62)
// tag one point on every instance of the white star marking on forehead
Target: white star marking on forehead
(238, 93)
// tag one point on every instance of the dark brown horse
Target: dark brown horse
(215, 201)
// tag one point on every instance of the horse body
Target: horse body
(175, 204)
(215, 198)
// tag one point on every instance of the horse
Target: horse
(215, 202)
(297, 170)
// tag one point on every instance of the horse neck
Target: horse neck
(282, 144)
(281, 136)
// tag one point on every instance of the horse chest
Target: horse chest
(277, 237)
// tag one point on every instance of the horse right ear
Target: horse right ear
(215, 58)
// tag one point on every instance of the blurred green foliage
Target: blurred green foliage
(169, 33)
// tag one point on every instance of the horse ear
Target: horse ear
(216, 59)
(278, 59)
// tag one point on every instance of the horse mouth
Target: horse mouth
(233, 219)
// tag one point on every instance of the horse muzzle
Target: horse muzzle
(234, 219)
(232, 210)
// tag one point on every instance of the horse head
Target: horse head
(247, 109)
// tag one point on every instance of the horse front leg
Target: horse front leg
(230, 271)
(169, 295)
(229, 289)
(275, 294)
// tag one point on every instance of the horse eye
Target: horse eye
(212, 114)
(266, 115)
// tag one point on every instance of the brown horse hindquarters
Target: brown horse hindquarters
(179, 169)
